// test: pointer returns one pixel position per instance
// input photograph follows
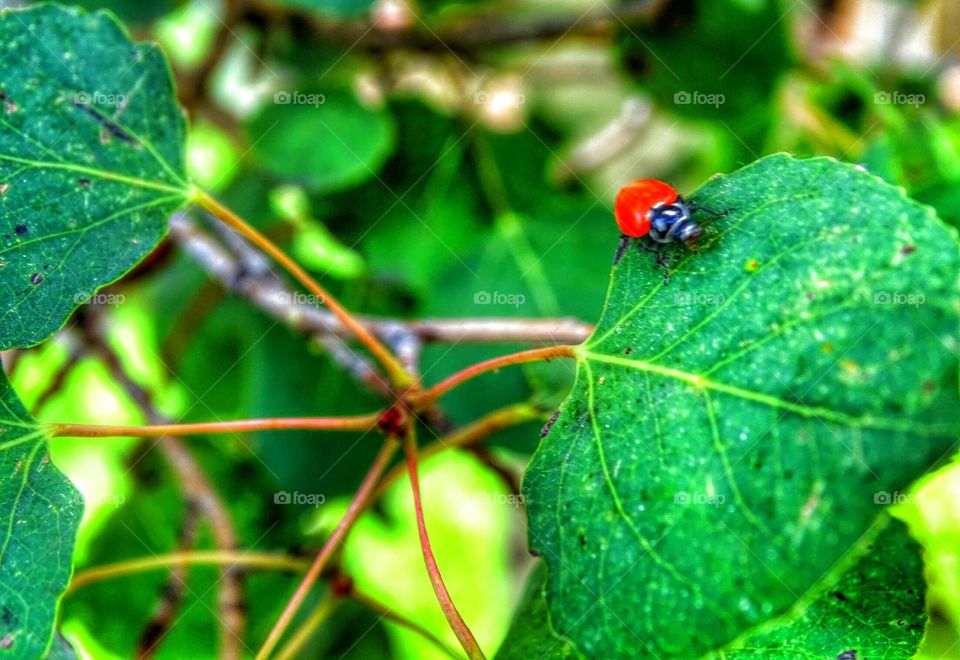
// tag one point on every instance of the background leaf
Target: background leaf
(764, 399)
(91, 162)
(324, 140)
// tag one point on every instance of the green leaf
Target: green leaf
(91, 162)
(876, 608)
(326, 141)
(39, 517)
(796, 371)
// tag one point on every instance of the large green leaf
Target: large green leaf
(39, 515)
(733, 433)
(91, 162)
(876, 609)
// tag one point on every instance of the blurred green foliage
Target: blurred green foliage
(417, 195)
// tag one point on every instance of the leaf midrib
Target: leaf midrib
(700, 382)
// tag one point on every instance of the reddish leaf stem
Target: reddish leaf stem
(430, 395)
(397, 373)
(357, 506)
(460, 629)
(358, 423)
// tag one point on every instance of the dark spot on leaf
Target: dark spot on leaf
(36, 278)
(908, 249)
(20, 229)
(84, 182)
(901, 622)
(546, 427)
(837, 595)
(583, 540)
(848, 655)
(628, 350)
(108, 126)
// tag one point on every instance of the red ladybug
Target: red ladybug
(649, 206)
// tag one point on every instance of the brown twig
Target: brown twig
(172, 591)
(271, 295)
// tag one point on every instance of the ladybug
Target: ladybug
(654, 208)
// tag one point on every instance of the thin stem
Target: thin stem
(533, 355)
(460, 629)
(302, 634)
(358, 423)
(399, 619)
(397, 373)
(194, 557)
(357, 506)
(472, 433)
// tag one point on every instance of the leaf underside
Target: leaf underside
(734, 433)
(40, 513)
(91, 162)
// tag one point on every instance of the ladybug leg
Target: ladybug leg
(663, 261)
(624, 244)
(716, 214)
(661, 257)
